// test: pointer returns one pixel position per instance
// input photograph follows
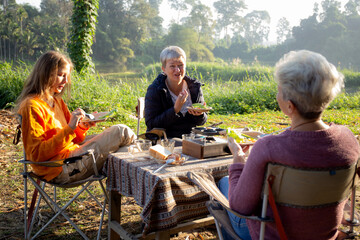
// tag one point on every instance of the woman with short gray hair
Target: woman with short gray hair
(169, 96)
(307, 83)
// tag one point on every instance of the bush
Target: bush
(219, 71)
(232, 97)
(11, 82)
(255, 92)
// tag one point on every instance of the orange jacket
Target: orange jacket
(46, 134)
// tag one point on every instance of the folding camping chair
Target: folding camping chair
(52, 202)
(155, 133)
(140, 112)
(289, 186)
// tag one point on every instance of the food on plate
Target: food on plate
(239, 137)
(199, 106)
(97, 116)
(177, 157)
(159, 152)
(107, 114)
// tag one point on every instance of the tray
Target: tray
(200, 109)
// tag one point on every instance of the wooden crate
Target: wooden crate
(199, 149)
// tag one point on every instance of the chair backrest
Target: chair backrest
(290, 186)
(310, 187)
(140, 108)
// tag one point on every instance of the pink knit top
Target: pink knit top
(332, 147)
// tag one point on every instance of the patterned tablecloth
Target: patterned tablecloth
(168, 197)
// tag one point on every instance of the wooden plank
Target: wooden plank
(120, 231)
(183, 227)
(114, 213)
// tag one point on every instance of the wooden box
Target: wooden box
(199, 149)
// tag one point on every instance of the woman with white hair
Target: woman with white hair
(170, 94)
(307, 83)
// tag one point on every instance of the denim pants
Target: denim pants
(238, 224)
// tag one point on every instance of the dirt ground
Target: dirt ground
(11, 201)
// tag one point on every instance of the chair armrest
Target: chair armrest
(56, 163)
(206, 183)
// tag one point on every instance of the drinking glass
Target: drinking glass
(189, 136)
(131, 150)
(142, 145)
(168, 144)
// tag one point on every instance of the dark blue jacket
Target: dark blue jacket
(159, 108)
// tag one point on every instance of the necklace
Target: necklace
(304, 123)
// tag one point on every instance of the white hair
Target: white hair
(171, 52)
(309, 81)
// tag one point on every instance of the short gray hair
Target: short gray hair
(171, 52)
(309, 81)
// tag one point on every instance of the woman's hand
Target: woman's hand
(194, 112)
(76, 117)
(236, 150)
(183, 95)
(87, 125)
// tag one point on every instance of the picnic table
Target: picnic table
(168, 198)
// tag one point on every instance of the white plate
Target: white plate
(99, 117)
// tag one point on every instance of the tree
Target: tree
(155, 4)
(228, 13)
(256, 27)
(182, 5)
(283, 30)
(200, 19)
(331, 11)
(352, 7)
(83, 29)
(187, 39)
(133, 22)
(58, 11)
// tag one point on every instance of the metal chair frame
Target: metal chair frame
(40, 184)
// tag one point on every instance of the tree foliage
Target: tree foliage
(83, 29)
(130, 33)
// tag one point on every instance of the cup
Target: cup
(168, 144)
(189, 136)
(142, 145)
(131, 150)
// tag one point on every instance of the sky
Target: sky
(292, 10)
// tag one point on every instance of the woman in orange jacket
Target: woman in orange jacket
(51, 132)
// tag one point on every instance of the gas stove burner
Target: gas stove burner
(209, 131)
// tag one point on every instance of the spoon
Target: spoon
(169, 161)
(265, 134)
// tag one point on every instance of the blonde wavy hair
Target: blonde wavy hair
(43, 76)
(309, 81)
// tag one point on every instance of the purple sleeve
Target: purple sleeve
(246, 181)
